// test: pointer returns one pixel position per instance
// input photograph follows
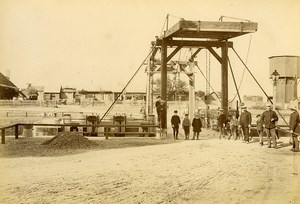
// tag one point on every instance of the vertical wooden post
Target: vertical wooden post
(191, 90)
(106, 132)
(164, 79)
(148, 94)
(16, 131)
(224, 79)
(3, 136)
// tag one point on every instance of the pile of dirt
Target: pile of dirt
(69, 140)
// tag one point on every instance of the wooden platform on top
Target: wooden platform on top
(209, 29)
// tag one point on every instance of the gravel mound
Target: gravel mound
(69, 140)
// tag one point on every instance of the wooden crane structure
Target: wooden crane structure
(202, 35)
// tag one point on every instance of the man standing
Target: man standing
(269, 118)
(260, 129)
(186, 124)
(158, 107)
(175, 121)
(245, 123)
(222, 119)
(294, 122)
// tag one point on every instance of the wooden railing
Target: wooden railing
(107, 128)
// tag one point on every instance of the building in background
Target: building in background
(102, 96)
(68, 95)
(131, 95)
(8, 90)
(288, 68)
(51, 94)
(34, 92)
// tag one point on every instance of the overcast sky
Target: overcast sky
(98, 44)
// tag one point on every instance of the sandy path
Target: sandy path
(204, 171)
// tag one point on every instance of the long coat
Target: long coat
(197, 125)
(245, 119)
(222, 120)
(175, 120)
(294, 120)
(266, 118)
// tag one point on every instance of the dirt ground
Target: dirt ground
(201, 171)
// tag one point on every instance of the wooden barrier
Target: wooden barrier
(106, 128)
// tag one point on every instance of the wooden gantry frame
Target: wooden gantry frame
(202, 35)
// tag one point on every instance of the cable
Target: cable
(114, 102)
(237, 91)
(167, 22)
(259, 85)
(164, 25)
(221, 18)
(208, 82)
(207, 60)
(244, 68)
(175, 16)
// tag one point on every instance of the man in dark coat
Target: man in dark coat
(222, 120)
(175, 121)
(158, 107)
(197, 125)
(294, 122)
(245, 123)
(269, 118)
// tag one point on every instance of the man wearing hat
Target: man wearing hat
(175, 121)
(158, 108)
(293, 123)
(245, 123)
(269, 118)
(197, 125)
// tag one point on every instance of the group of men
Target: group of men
(266, 122)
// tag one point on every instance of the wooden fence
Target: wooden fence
(151, 129)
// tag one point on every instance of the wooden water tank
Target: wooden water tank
(288, 68)
(286, 65)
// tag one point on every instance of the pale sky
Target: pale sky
(93, 44)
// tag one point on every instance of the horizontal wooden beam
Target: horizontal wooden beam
(193, 43)
(216, 28)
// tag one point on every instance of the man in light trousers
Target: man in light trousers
(269, 118)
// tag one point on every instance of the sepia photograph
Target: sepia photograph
(149, 102)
